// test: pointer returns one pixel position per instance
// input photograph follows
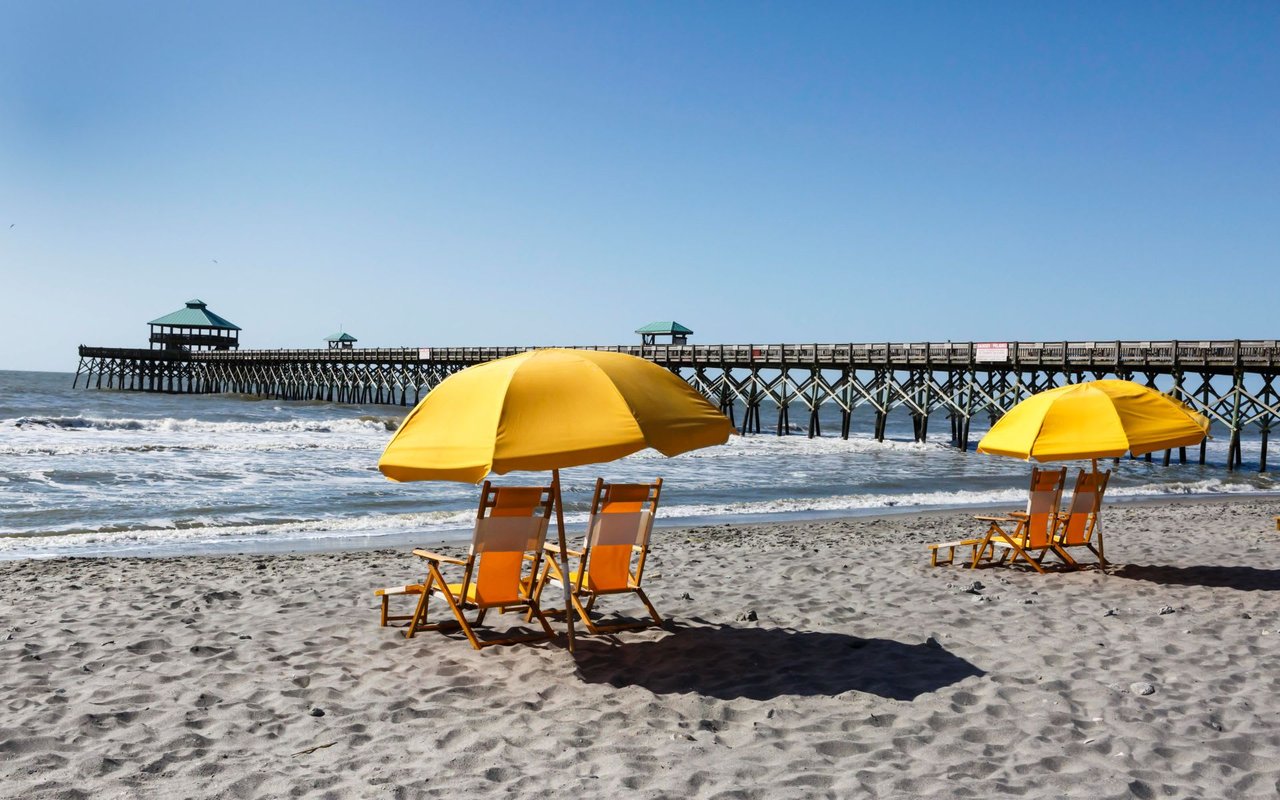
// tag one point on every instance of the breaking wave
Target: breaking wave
(173, 425)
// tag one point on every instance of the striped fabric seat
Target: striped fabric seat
(612, 558)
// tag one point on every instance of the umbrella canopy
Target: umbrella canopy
(1098, 419)
(549, 409)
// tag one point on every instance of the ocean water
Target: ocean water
(93, 473)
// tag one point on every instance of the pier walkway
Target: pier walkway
(1230, 381)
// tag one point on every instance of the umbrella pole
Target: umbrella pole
(1098, 529)
(564, 555)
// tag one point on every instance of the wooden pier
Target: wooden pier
(1232, 382)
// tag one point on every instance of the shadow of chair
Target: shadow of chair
(727, 663)
(1245, 579)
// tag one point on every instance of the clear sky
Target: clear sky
(562, 173)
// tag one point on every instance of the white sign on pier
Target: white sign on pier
(990, 351)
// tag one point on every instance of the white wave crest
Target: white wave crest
(162, 534)
(174, 425)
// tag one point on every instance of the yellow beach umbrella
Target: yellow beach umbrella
(1097, 419)
(546, 410)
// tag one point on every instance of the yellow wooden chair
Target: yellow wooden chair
(1031, 531)
(612, 557)
(498, 572)
(1081, 526)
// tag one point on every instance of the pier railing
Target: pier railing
(1230, 381)
(1222, 356)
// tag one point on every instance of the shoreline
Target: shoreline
(343, 544)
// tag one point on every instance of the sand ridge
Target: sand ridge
(865, 672)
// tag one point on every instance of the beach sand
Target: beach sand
(807, 659)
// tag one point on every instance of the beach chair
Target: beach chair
(1021, 534)
(499, 571)
(612, 557)
(1080, 525)
(950, 547)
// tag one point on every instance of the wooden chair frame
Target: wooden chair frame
(1033, 530)
(507, 590)
(641, 498)
(974, 554)
(1081, 524)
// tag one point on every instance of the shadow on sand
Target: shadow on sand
(1246, 579)
(764, 663)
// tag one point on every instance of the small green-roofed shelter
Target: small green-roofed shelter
(341, 341)
(649, 333)
(194, 327)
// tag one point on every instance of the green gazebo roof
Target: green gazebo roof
(195, 315)
(664, 327)
(342, 336)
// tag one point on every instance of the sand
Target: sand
(811, 659)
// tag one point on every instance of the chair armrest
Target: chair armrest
(958, 543)
(552, 547)
(996, 519)
(430, 556)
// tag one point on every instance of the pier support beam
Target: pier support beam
(918, 379)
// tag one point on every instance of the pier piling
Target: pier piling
(1230, 382)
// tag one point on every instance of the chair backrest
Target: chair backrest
(511, 522)
(1042, 505)
(1076, 526)
(621, 521)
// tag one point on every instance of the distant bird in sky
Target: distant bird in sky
(214, 260)
(10, 224)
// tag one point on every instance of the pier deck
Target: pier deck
(1230, 381)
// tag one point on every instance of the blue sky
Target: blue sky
(562, 173)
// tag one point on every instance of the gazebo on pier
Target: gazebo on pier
(194, 328)
(341, 341)
(649, 333)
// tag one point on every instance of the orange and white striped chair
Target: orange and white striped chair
(1081, 525)
(499, 571)
(1033, 530)
(612, 557)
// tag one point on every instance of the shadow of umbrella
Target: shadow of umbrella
(728, 663)
(1245, 579)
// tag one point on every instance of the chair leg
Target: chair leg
(653, 612)
(420, 612)
(982, 548)
(385, 601)
(461, 617)
(539, 585)
(547, 632)
(1033, 562)
(1061, 552)
(584, 613)
(951, 556)
(536, 611)
(1018, 550)
(1102, 562)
